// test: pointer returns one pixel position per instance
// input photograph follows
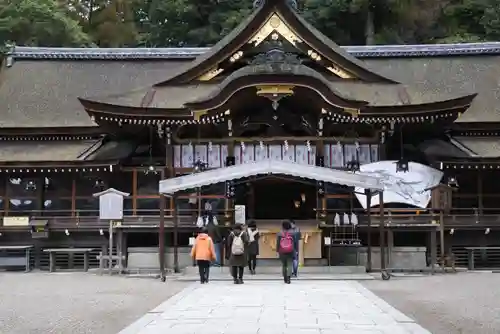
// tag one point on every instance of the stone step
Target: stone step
(272, 270)
(278, 277)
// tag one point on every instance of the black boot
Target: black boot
(240, 281)
(288, 280)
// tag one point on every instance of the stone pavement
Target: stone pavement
(315, 307)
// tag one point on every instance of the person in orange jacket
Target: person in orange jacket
(203, 252)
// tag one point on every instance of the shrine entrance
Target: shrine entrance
(280, 198)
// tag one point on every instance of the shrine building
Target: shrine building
(274, 122)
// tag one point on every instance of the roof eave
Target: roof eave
(119, 111)
(361, 51)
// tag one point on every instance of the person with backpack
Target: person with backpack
(253, 246)
(209, 220)
(286, 247)
(203, 253)
(237, 252)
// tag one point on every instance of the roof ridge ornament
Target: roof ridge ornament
(259, 3)
(275, 54)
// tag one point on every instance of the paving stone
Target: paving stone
(272, 307)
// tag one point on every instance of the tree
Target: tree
(471, 21)
(192, 22)
(112, 23)
(40, 23)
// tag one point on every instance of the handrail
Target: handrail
(456, 217)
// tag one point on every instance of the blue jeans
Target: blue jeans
(295, 264)
(217, 248)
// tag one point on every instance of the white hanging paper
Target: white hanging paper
(187, 156)
(200, 153)
(275, 152)
(364, 154)
(177, 156)
(374, 153)
(312, 156)
(237, 155)
(337, 156)
(261, 152)
(301, 154)
(354, 219)
(249, 154)
(336, 220)
(346, 219)
(327, 155)
(289, 155)
(214, 160)
(223, 155)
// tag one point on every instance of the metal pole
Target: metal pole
(110, 259)
(176, 232)
(381, 225)
(368, 193)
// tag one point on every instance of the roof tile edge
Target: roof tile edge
(372, 51)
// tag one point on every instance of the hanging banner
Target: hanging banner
(412, 187)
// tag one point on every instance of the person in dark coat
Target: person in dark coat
(253, 246)
(287, 238)
(237, 251)
(296, 257)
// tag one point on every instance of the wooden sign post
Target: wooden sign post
(111, 208)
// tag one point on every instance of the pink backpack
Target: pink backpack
(286, 243)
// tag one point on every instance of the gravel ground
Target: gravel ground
(446, 304)
(76, 302)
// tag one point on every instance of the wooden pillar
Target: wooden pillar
(382, 233)
(40, 192)
(390, 246)
(165, 173)
(134, 192)
(125, 249)
(230, 153)
(368, 194)
(251, 200)
(119, 249)
(441, 239)
(73, 196)
(433, 245)
(176, 236)
(480, 191)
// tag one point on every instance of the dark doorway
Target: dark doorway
(276, 198)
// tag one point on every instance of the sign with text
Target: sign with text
(239, 214)
(111, 204)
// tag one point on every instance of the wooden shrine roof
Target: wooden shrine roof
(66, 155)
(39, 87)
(29, 151)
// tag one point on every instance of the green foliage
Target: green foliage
(39, 22)
(163, 23)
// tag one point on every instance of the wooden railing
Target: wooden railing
(89, 219)
(456, 217)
